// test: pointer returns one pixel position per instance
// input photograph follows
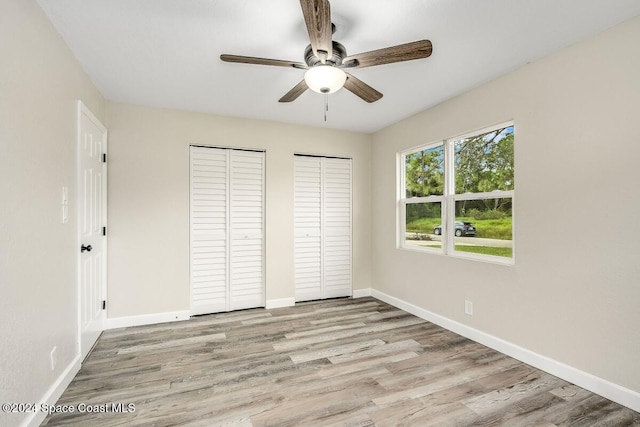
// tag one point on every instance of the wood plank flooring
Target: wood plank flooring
(340, 362)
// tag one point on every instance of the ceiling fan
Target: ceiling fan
(326, 60)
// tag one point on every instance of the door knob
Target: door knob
(85, 248)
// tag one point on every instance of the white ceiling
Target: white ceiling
(165, 53)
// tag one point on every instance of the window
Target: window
(456, 196)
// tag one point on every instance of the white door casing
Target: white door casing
(322, 227)
(92, 217)
(227, 229)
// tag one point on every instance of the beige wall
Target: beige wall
(149, 200)
(572, 295)
(574, 292)
(40, 83)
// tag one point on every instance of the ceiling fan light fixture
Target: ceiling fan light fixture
(325, 78)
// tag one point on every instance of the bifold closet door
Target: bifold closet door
(227, 224)
(322, 228)
(308, 228)
(246, 208)
(337, 228)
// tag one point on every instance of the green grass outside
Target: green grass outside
(484, 250)
(487, 228)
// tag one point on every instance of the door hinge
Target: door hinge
(104, 157)
(104, 231)
(104, 304)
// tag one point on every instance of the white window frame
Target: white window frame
(448, 200)
(404, 201)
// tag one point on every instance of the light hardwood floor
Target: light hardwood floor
(340, 362)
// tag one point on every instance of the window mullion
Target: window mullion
(427, 199)
(448, 211)
(449, 168)
(498, 194)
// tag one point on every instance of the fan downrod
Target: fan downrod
(339, 52)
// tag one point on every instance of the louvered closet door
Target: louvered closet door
(209, 192)
(226, 236)
(308, 227)
(247, 196)
(337, 228)
(322, 228)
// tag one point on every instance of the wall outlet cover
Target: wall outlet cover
(54, 358)
(468, 308)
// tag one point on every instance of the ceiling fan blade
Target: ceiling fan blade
(294, 93)
(361, 89)
(317, 16)
(388, 55)
(262, 61)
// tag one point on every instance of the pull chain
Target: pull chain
(326, 105)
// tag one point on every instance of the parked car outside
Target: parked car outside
(463, 228)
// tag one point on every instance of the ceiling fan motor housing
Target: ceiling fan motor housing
(339, 52)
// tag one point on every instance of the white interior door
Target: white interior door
(92, 208)
(322, 228)
(227, 230)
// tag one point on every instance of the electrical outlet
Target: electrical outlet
(54, 358)
(468, 308)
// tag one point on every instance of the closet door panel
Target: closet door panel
(208, 236)
(308, 223)
(246, 229)
(337, 228)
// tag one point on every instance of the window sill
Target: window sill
(461, 255)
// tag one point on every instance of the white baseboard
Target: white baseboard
(290, 302)
(54, 392)
(361, 293)
(147, 319)
(611, 391)
(280, 303)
